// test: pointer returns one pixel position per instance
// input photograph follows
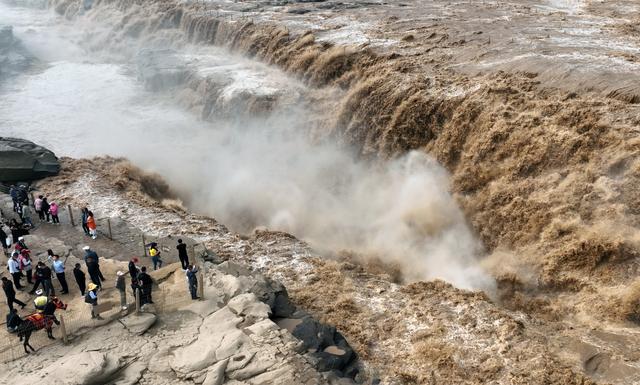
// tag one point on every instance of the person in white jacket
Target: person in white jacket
(14, 270)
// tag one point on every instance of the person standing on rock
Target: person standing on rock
(192, 277)
(90, 253)
(155, 256)
(43, 276)
(21, 244)
(53, 210)
(45, 209)
(146, 283)
(122, 288)
(14, 270)
(3, 238)
(10, 292)
(85, 215)
(94, 272)
(26, 265)
(13, 191)
(182, 254)
(58, 268)
(133, 269)
(91, 225)
(92, 299)
(26, 215)
(37, 204)
(80, 278)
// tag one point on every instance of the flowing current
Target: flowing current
(247, 169)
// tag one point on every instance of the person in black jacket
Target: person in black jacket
(133, 269)
(10, 292)
(80, 278)
(94, 272)
(3, 239)
(43, 276)
(182, 254)
(45, 209)
(192, 276)
(13, 320)
(145, 282)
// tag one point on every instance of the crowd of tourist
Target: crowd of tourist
(40, 278)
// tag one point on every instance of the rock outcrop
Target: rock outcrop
(22, 160)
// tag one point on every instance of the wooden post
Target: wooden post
(138, 300)
(71, 215)
(63, 330)
(144, 248)
(193, 254)
(109, 225)
(201, 286)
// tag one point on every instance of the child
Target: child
(91, 224)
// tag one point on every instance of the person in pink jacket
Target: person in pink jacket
(53, 210)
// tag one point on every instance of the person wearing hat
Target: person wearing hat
(14, 269)
(20, 245)
(92, 299)
(80, 278)
(9, 291)
(122, 287)
(40, 301)
(90, 253)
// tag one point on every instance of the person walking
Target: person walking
(45, 209)
(43, 276)
(14, 270)
(91, 225)
(92, 299)
(80, 278)
(26, 215)
(53, 210)
(122, 288)
(155, 256)
(85, 214)
(94, 272)
(26, 264)
(13, 191)
(182, 254)
(145, 283)
(9, 291)
(59, 268)
(37, 205)
(192, 277)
